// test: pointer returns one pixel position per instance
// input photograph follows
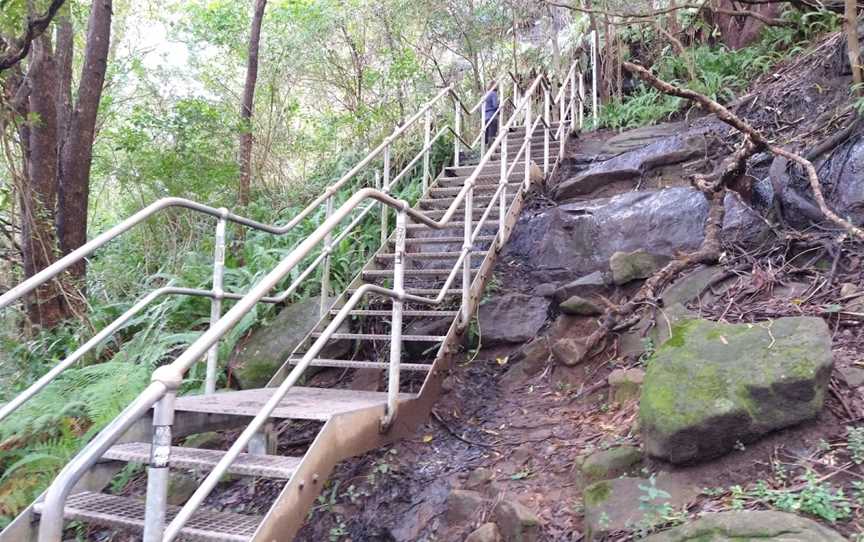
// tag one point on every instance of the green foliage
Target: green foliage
(856, 443)
(817, 498)
(720, 73)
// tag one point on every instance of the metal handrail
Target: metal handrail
(217, 294)
(166, 380)
(398, 294)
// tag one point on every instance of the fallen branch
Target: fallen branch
(756, 138)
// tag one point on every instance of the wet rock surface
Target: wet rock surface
(570, 240)
(512, 318)
(632, 164)
(712, 386)
(749, 525)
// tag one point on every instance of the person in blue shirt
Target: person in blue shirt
(491, 108)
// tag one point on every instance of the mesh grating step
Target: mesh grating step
(443, 240)
(384, 337)
(352, 364)
(429, 255)
(265, 466)
(477, 213)
(128, 514)
(417, 291)
(446, 202)
(456, 224)
(484, 182)
(435, 273)
(483, 188)
(371, 312)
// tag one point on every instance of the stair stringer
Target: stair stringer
(351, 434)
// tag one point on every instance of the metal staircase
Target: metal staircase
(428, 274)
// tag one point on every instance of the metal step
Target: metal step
(352, 364)
(301, 403)
(388, 257)
(384, 337)
(373, 312)
(492, 167)
(387, 273)
(478, 201)
(436, 215)
(266, 466)
(418, 291)
(128, 514)
(455, 225)
(443, 240)
(483, 181)
(454, 190)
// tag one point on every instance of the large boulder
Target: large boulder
(746, 525)
(258, 359)
(632, 165)
(575, 239)
(512, 318)
(637, 138)
(713, 385)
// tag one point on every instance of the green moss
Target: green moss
(596, 494)
(679, 330)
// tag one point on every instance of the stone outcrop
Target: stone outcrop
(629, 266)
(749, 525)
(712, 385)
(571, 240)
(632, 165)
(512, 318)
(268, 348)
(610, 463)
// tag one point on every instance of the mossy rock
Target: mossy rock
(712, 385)
(610, 463)
(747, 526)
(258, 359)
(627, 266)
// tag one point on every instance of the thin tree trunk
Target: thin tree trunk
(45, 307)
(77, 153)
(854, 46)
(247, 104)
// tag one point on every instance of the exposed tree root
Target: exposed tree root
(714, 186)
(754, 136)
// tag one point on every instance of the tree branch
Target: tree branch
(630, 17)
(35, 27)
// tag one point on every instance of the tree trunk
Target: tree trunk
(737, 31)
(77, 148)
(45, 307)
(247, 104)
(854, 46)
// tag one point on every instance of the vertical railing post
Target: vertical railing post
(502, 200)
(427, 140)
(383, 210)
(396, 318)
(547, 118)
(458, 129)
(466, 262)
(325, 264)
(528, 125)
(594, 111)
(581, 101)
(573, 100)
(482, 129)
(515, 102)
(158, 470)
(216, 300)
(562, 105)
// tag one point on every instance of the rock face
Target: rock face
(610, 463)
(512, 318)
(269, 347)
(517, 523)
(488, 532)
(614, 505)
(579, 306)
(712, 385)
(577, 239)
(749, 525)
(631, 165)
(627, 266)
